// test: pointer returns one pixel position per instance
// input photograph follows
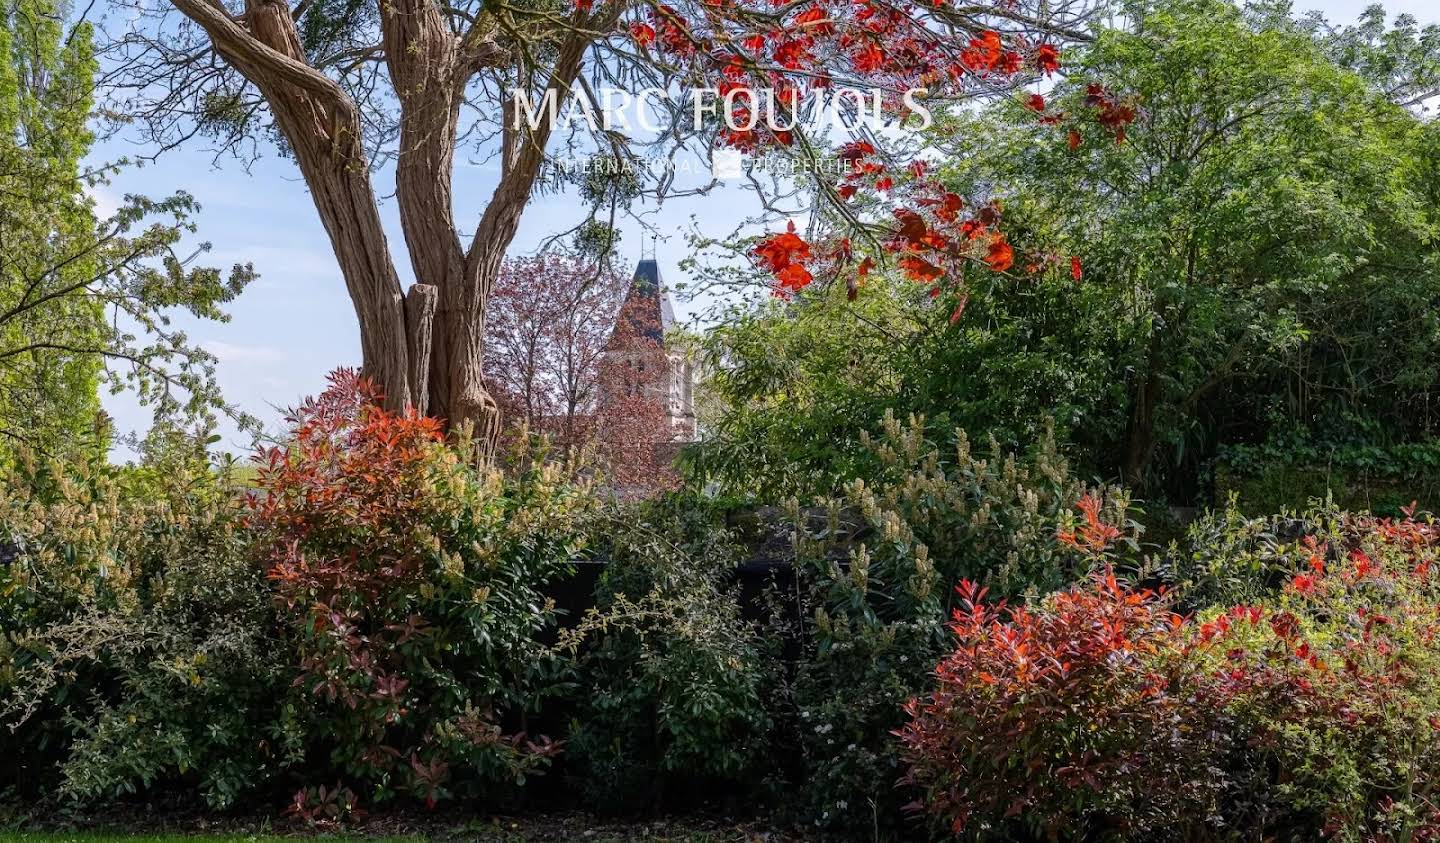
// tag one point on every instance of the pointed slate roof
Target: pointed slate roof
(646, 313)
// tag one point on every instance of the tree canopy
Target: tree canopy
(349, 89)
(84, 300)
(1257, 255)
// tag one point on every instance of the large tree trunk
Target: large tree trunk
(424, 349)
(429, 68)
(322, 126)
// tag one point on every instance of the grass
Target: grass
(131, 826)
(475, 833)
(122, 837)
(128, 837)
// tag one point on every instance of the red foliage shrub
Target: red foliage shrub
(1098, 711)
(1058, 718)
(410, 582)
(1335, 683)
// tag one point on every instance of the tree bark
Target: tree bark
(1140, 437)
(322, 125)
(419, 328)
(459, 353)
(425, 350)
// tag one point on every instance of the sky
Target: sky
(295, 323)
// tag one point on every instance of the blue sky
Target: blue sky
(295, 323)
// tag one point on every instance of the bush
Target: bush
(1334, 687)
(1227, 558)
(1378, 479)
(676, 683)
(1099, 712)
(879, 567)
(1059, 720)
(138, 646)
(409, 583)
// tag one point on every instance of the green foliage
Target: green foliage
(799, 382)
(84, 300)
(1402, 62)
(676, 683)
(43, 136)
(1228, 559)
(1262, 243)
(1259, 255)
(138, 635)
(879, 567)
(1358, 473)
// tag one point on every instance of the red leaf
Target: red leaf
(912, 225)
(643, 33)
(1001, 256)
(782, 250)
(1047, 58)
(919, 269)
(959, 308)
(794, 277)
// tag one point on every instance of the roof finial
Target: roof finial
(652, 247)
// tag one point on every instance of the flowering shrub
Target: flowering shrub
(881, 565)
(138, 639)
(410, 584)
(1335, 683)
(1099, 711)
(1061, 719)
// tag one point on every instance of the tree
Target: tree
(549, 320)
(802, 383)
(82, 300)
(348, 85)
(1257, 256)
(1402, 62)
(1265, 236)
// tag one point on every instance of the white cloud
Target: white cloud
(228, 352)
(107, 202)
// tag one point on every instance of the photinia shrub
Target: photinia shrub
(1061, 719)
(1098, 711)
(1333, 686)
(410, 581)
(878, 567)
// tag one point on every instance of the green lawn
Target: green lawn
(122, 837)
(500, 833)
